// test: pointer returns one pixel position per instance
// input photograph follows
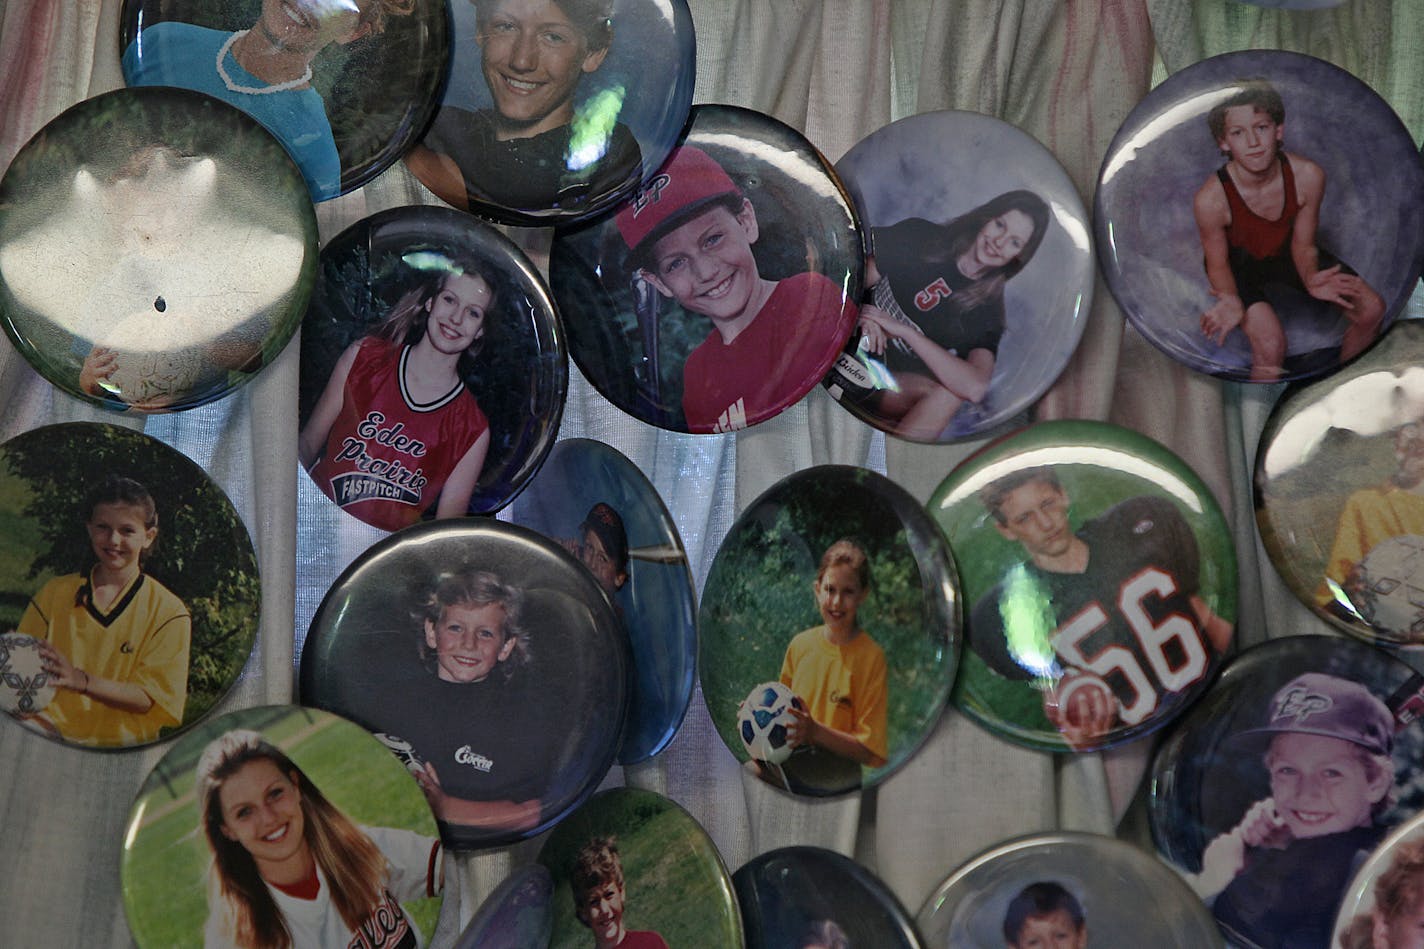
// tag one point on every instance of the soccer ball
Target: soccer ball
(24, 685)
(1391, 598)
(762, 719)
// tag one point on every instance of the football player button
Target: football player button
(632, 869)
(488, 660)
(980, 281)
(1385, 895)
(557, 109)
(1066, 889)
(345, 87)
(721, 293)
(597, 504)
(1243, 230)
(160, 264)
(282, 819)
(808, 897)
(118, 547)
(829, 631)
(1099, 582)
(1340, 491)
(519, 913)
(1272, 790)
(433, 369)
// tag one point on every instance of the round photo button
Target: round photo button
(1100, 583)
(811, 897)
(557, 109)
(1065, 889)
(1273, 789)
(829, 631)
(979, 279)
(519, 914)
(597, 505)
(1340, 491)
(280, 821)
(433, 369)
(720, 294)
(157, 249)
(1243, 230)
(633, 869)
(345, 87)
(489, 662)
(1384, 904)
(131, 589)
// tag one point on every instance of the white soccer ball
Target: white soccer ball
(1392, 580)
(762, 720)
(25, 687)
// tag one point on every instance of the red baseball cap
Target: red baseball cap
(690, 178)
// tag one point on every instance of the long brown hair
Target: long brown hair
(963, 231)
(406, 322)
(354, 866)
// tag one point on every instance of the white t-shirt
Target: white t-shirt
(315, 923)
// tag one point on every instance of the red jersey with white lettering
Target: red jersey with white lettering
(387, 457)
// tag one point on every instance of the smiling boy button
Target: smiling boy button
(720, 294)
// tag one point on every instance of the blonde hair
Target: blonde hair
(354, 866)
(846, 553)
(376, 13)
(406, 322)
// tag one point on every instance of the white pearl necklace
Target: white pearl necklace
(301, 80)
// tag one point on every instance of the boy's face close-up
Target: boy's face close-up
(469, 641)
(601, 910)
(309, 26)
(1036, 515)
(1404, 931)
(706, 263)
(595, 557)
(1053, 930)
(533, 57)
(1320, 785)
(1251, 137)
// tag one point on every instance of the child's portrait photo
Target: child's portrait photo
(602, 509)
(134, 573)
(1065, 890)
(1340, 492)
(1242, 229)
(281, 826)
(157, 250)
(1384, 906)
(979, 277)
(488, 661)
(720, 294)
(344, 85)
(812, 898)
(1284, 778)
(556, 109)
(633, 870)
(835, 592)
(432, 381)
(1100, 591)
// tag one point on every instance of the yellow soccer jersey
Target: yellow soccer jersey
(843, 686)
(144, 639)
(1370, 516)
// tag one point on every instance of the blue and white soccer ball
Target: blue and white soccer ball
(25, 687)
(1392, 587)
(762, 720)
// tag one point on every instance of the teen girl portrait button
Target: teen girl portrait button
(1243, 230)
(1340, 491)
(1383, 907)
(130, 588)
(597, 504)
(632, 869)
(557, 109)
(345, 86)
(518, 914)
(157, 248)
(979, 279)
(1273, 789)
(1100, 584)
(811, 898)
(720, 294)
(433, 369)
(830, 631)
(280, 824)
(1069, 891)
(490, 663)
